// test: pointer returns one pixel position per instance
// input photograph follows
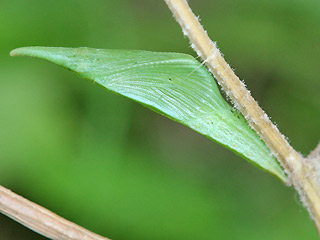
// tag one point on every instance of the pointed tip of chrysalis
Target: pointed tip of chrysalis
(51, 54)
(16, 52)
(27, 51)
(23, 51)
(13, 53)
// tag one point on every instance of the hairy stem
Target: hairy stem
(299, 171)
(41, 220)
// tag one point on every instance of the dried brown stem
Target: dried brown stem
(42, 220)
(299, 171)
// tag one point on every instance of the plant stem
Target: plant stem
(42, 220)
(300, 173)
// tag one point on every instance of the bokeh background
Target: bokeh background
(121, 170)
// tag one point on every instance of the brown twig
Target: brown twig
(301, 174)
(42, 220)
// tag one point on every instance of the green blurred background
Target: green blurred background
(127, 173)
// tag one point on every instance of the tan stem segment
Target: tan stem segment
(292, 162)
(41, 220)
